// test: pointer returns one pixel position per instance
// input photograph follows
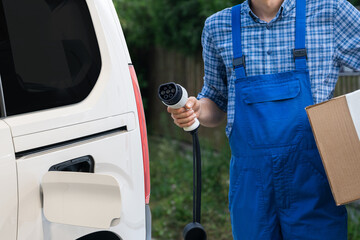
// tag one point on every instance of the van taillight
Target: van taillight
(144, 141)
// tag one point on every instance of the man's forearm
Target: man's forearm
(210, 115)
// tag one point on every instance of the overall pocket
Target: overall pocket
(271, 113)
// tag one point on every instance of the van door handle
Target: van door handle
(81, 164)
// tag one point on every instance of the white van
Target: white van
(73, 146)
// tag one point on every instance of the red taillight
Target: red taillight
(144, 141)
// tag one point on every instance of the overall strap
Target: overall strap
(239, 59)
(300, 54)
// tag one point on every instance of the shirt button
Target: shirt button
(268, 27)
(268, 52)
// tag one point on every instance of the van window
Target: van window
(49, 54)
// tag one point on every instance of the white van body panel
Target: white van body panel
(81, 199)
(116, 154)
(112, 95)
(8, 185)
(52, 136)
(120, 31)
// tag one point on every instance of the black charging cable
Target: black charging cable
(194, 230)
(196, 177)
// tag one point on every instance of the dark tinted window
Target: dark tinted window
(49, 54)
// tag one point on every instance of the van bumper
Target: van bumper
(148, 222)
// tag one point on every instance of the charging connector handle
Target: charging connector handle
(175, 96)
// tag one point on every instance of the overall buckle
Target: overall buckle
(298, 53)
(237, 62)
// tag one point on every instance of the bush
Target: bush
(355, 2)
(167, 23)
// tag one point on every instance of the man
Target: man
(265, 61)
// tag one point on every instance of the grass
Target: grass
(353, 223)
(171, 192)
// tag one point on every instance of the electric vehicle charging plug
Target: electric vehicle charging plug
(175, 96)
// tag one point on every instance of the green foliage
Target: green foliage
(134, 19)
(355, 2)
(354, 223)
(167, 23)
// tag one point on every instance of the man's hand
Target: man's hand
(185, 116)
(205, 110)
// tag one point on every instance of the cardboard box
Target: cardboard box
(336, 127)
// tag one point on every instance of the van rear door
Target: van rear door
(8, 186)
(71, 107)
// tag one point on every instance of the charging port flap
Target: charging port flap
(81, 199)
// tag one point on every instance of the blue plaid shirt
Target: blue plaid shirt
(332, 40)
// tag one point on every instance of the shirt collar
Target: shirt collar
(288, 5)
(285, 8)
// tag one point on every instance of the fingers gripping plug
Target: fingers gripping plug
(175, 96)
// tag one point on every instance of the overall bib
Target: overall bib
(278, 187)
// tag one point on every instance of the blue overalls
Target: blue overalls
(278, 187)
